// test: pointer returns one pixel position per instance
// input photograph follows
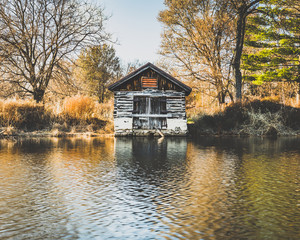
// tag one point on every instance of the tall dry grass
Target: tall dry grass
(79, 107)
(85, 107)
(84, 113)
(255, 118)
(74, 114)
(25, 114)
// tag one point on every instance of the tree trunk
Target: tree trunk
(221, 93)
(100, 93)
(298, 80)
(240, 33)
(298, 95)
(221, 98)
(38, 95)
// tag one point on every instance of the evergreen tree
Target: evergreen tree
(99, 67)
(272, 43)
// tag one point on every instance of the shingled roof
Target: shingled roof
(145, 67)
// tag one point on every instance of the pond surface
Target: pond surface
(174, 188)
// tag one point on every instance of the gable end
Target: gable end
(149, 76)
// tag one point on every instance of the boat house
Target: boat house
(149, 101)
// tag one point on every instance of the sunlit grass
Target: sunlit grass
(79, 107)
(74, 114)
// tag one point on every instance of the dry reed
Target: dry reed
(79, 107)
(251, 118)
(74, 114)
(24, 114)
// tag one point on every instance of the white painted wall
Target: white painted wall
(123, 124)
(177, 124)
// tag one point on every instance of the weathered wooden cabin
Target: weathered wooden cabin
(149, 101)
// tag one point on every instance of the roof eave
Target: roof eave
(186, 88)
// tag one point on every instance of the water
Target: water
(209, 188)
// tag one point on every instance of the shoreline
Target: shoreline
(195, 132)
(45, 134)
(248, 119)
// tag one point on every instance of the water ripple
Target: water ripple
(142, 189)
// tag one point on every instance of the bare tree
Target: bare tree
(198, 37)
(36, 36)
(132, 66)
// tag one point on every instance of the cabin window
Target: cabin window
(150, 108)
(139, 105)
(149, 105)
(158, 105)
(149, 83)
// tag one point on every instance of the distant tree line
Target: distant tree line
(61, 47)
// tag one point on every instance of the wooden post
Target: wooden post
(160, 133)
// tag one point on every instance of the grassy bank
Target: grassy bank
(84, 115)
(256, 118)
(75, 115)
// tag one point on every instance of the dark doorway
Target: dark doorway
(149, 112)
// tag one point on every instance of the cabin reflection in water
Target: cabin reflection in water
(151, 153)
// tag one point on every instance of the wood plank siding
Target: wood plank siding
(175, 103)
(149, 101)
(136, 83)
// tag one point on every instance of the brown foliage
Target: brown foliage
(79, 114)
(23, 114)
(198, 38)
(252, 118)
(79, 107)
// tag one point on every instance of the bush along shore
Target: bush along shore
(256, 118)
(82, 115)
(79, 115)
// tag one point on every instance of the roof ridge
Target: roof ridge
(186, 88)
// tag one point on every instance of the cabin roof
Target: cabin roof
(149, 65)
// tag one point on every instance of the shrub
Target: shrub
(79, 107)
(23, 114)
(266, 123)
(105, 110)
(252, 118)
(79, 113)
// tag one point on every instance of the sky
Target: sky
(134, 24)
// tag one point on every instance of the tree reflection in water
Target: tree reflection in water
(149, 188)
